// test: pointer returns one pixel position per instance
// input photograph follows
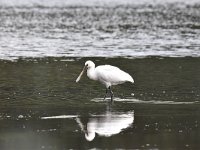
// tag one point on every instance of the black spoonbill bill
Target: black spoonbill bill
(106, 74)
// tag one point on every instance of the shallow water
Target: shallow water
(41, 106)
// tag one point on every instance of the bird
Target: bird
(106, 74)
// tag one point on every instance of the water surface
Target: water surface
(99, 28)
(41, 106)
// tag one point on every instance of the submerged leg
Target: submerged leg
(106, 94)
(111, 93)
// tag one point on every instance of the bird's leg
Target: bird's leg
(111, 93)
(106, 94)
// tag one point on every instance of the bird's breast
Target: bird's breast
(92, 75)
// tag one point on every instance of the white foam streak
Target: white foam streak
(60, 117)
(132, 100)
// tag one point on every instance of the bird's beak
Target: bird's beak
(79, 77)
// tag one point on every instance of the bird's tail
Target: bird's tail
(130, 79)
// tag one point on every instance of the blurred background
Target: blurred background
(100, 28)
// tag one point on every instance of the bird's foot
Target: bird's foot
(111, 99)
(105, 95)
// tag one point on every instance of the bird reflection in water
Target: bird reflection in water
(108, 124)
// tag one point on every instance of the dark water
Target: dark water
(41, 106)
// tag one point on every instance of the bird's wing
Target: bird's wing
(112, 74)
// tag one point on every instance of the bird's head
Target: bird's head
(88, 64)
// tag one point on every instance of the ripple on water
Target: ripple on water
(45, 30)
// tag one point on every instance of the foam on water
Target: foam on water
(133, 100)
(60, 117)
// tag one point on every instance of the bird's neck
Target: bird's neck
(91, 73)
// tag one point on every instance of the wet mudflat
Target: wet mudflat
(41, 106)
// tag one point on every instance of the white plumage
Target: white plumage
(111, 75)
(106, 74)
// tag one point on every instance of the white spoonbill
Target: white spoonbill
(106, 74)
